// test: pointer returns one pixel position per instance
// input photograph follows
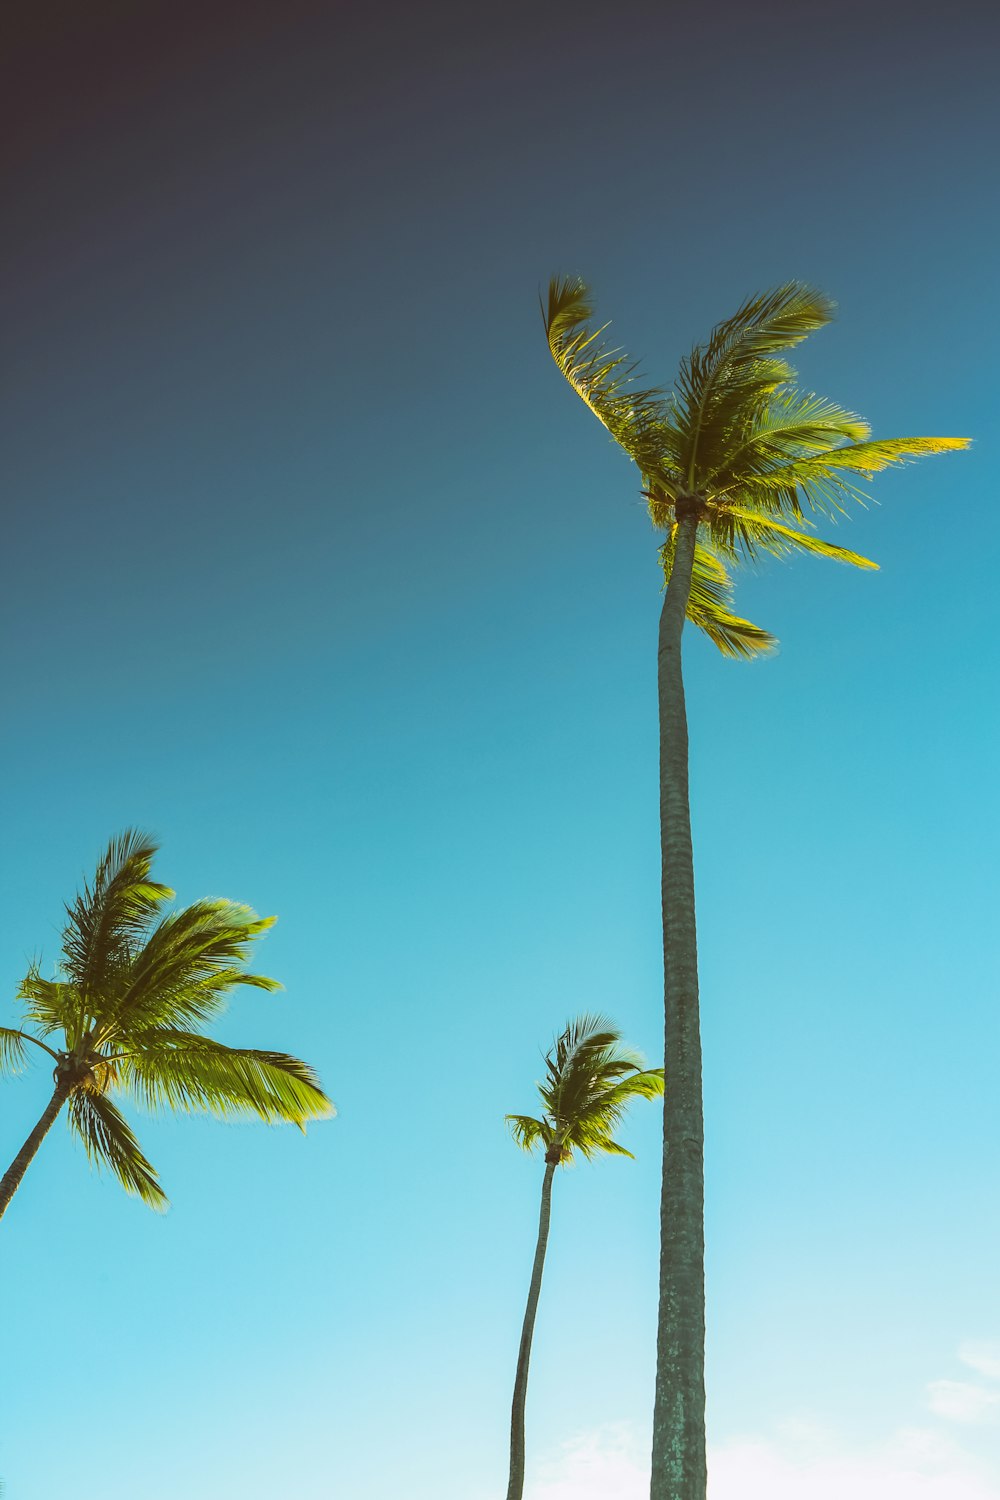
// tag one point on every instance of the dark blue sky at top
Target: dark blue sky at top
(312, 564)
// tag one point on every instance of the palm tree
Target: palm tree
(127, 1013)
(733, 462)
(590, 1080)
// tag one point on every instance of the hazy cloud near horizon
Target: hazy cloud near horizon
(805, 1457)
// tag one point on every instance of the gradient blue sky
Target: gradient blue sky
(314, 567)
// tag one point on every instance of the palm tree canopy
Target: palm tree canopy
(126, 1012)
(590, 1080)
(736, 441)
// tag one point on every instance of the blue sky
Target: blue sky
(315, 568)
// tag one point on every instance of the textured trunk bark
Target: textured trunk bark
(12, 1177)
(515, 1484)
(678, 1467)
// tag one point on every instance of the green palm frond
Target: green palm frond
(742, 533)
(52, 1006)
(110, 1143)
(13, 1052)
(710, 604)
(106, 918)
(737, 369)
(591, 1130)
(820, 478)
(185, 1071)
(790, 425)
(528, 1132)
(190, 962)
(605, 378)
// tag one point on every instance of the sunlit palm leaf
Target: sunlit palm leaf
(110, 1143)
(710, 605)
(13, 1052)
(820, 478)
(528, 1132)
(106, 917)
(184, 1071)
(790, 425)
(51, 1005)
(721, 381)
(639, 418)
(187, 967)
(744, 533)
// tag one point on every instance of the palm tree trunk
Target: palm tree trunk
(678, 1467)
(12, 1177)
(515, 1484)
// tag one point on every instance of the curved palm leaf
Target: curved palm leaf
(188, 965)
(710, 604)
(737, 369)
(792, 424)
(185, 1071)
(108, 916)
(741, 533)
(52, 1006)
(13, 1052)
(604, 377)
(110, 1143)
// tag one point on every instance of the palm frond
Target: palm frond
(190, 962)
(110, 1143)
(820, 478)
(743, 533)
(605, 379)
(880, 453)
(13, 1052)
(107, 918)
(528, 1132)
(791, 424)
(737, 369)
(50, 1004)
(594, 1143)
(186, 1071)
(710, 604)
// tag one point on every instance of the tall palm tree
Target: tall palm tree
(590, 1080)
(127, 1013)
(734, 462)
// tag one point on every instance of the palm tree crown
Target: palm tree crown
(590, 1079)
(128, 1009)
(737, 444)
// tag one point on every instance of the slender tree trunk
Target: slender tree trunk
(12, 1177)
(678, 1468)
(515, 1484)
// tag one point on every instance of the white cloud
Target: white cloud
(960, 1401)
(803, 1458)
(981, 1355)
(911, 1465)
(602, 1465)
(914, 1464)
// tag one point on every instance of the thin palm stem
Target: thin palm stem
(22, 1161)
(515, 1484)
(678, 1468)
